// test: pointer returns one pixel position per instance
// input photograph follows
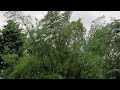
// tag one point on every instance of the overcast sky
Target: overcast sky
(86, 16)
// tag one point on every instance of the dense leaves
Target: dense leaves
(56, 48)
(11, 38)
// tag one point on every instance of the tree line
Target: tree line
(57, 48)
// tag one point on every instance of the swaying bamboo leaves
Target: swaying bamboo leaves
(56, 48)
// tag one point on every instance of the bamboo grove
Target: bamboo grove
(57, 48)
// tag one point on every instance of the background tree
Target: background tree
(12, 41)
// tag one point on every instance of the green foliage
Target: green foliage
(113, 52)
(59, 49)
(27, 69)
(31, 67)
(12, 60)
(11, 34)
(1, 45)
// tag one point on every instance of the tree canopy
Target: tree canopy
(57, 48)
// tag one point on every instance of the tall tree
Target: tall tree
(12, 39)
(113, 50)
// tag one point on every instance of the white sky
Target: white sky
(86, 16)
